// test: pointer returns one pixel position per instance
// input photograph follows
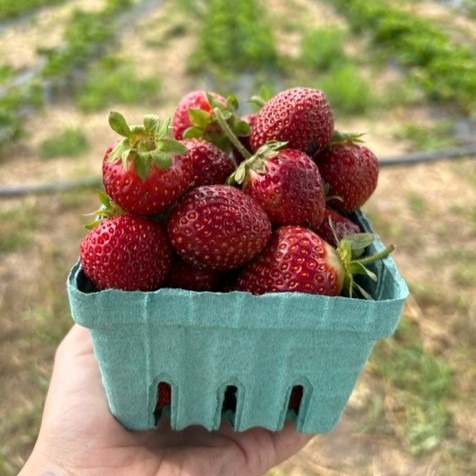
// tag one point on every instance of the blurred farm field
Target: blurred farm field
(413, 409)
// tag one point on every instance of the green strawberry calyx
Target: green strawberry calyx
(351, 252)
(204, 123)
(148, 144)
(256, 162)
(339, 138)
(260, 99)
(108, 209)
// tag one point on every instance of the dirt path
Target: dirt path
(421, 202)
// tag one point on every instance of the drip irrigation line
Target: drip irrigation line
(48, 187)
(11, 191)
(432, 156)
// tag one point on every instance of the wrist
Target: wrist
(40, 464)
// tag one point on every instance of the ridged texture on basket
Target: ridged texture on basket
(201, 343)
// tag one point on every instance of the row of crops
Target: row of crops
(11, 9)
(87, 36)
(446, 71)
(237, 37)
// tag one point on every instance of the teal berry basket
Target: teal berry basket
(208, 344)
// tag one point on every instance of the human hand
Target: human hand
(79, 435)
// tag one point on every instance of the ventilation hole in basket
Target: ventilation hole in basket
(295, 398)
(164, 399)
(229, 401)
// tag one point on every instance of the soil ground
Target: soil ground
(423, 208)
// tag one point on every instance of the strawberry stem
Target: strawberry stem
(377, 256)
(348, 249)
(258, 100)
(230, 134)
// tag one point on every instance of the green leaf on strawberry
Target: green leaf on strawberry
(257, 162)
(351, 251)
(118, 124)
(152, 123)
(359, 242)
(147, 170)
(147, 144)
(200, 119)
(339, 137)
(195, 118)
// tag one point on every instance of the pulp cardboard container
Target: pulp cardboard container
(203, 343)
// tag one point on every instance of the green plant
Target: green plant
(431, 136)
(114, 81)
(444, 70)
(9, 8)
(173, 31)
(234, 36)
(348, 92)
(322, 49)
(69, 142)
(422, 384)
(6, 73)
(470, 8)
(16, 229)
(13, 105)
(416, 202)
(84, 37)
(87, 36)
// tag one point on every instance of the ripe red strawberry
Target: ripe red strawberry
(146, 171)
(286, 183)
(165, 397)
(295, 398)
(126, 252)
(194, 111)
(350, 170)
(218, 227)
(298, 260)
(183, 275)
(302, 117)
(195, 117)
(335, 225)
(210, 164)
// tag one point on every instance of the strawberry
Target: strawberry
(195, 117)
(210, 164)
(147, 170)
(126, 252)
(194, 111)
(295, 398)
(218, 227)
(336, 226)
(302, 117)
(183, 275)
(286, 183)
(165, 396)
(298, 260)
(350, 170)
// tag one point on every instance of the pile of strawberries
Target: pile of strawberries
(214, 201)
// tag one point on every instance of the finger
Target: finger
(76, 342)
(289, 441)
(263, 449)
(75, 374)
